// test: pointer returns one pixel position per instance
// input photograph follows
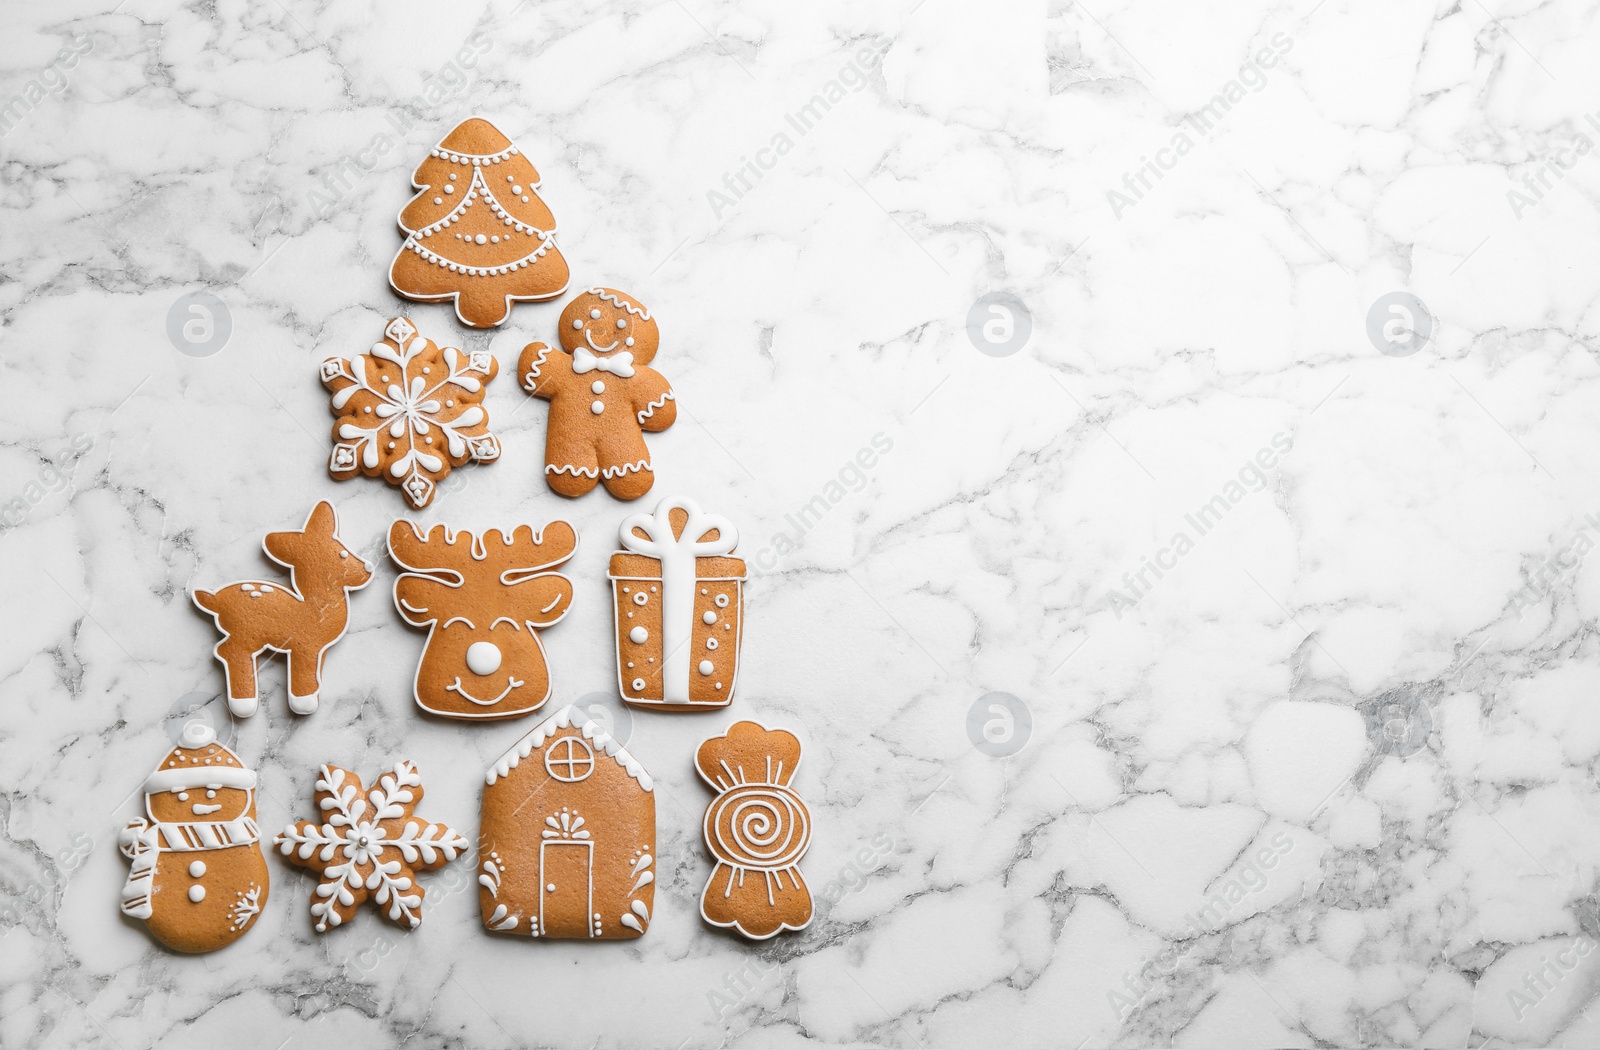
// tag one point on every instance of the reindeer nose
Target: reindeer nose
(483, 658)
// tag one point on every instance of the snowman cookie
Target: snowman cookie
(603, 395)
(198, 878)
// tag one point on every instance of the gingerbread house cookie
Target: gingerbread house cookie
(568, 840)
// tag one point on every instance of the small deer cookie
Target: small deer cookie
(302, 619)
(602, 395)
(198, 878)
(484, 598)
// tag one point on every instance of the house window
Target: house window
(569, 760)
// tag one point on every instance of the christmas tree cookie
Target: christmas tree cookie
(477, 232)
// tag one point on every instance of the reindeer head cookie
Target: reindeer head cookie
(484, 598)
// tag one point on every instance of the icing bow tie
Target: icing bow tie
(617, 364)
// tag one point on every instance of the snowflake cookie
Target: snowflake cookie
(369, 846)
(409, 410)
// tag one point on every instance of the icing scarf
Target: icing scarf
(142, 842)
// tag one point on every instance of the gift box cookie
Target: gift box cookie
(679, 598)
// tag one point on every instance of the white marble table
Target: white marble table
(1291, 615)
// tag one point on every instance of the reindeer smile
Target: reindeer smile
(512, 683)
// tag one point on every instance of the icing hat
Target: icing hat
(199, 761)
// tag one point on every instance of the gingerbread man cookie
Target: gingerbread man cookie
(368, 844)
(409, 410)
(602, 395)
(757, 829)
(198, 878)
(477, 231)
(303, 619)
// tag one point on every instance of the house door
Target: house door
(567, 898)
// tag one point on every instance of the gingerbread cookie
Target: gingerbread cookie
(198, 878)
(484, 599)
(409, 410)
(602, 396)
(568, 841)
(757, 829)
(302, 620)
(477, 231)
(679, 601)
(368, 844)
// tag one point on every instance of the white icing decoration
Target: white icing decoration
(706, 667)
(483, 658)
(617, 364)
(711, 643)
(597, 387)
(246, 906)
(597, 407)
(649, 410)
(709, 616)
(638, 685)
(721, 600)
(638, 636)
(640, 598)
(197, 893)
(197, 869)
(618, 301)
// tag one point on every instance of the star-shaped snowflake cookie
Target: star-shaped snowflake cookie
(369, 845)
(409, 410)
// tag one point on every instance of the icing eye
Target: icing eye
(595, 314)
(622, 322)
(576, 323)
(183, 796)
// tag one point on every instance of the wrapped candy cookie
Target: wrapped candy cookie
(679, 599)
(198, 878)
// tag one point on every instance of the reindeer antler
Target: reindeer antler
(441, 553)
(526, 553)
(444, 553)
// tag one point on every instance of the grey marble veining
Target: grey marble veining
(1184, 662)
